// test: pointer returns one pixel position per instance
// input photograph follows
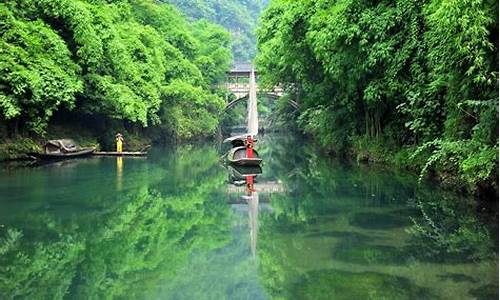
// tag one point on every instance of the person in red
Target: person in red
(249, 143)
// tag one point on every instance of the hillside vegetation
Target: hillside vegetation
(130, 64)
(413, 83)
(240, 17)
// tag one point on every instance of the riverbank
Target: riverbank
(18, 147)
(448, 175)
(361, 149)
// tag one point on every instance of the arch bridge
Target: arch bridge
(238, 83)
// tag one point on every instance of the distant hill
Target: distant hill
(240, 17)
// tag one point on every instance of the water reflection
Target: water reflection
(353, 232)
(309, 227)
(247, 176)
(119, 173)
(253, 217)
(99, 244)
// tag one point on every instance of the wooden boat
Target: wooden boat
(238, 156)
(62, 149)
(75, 154)
(242, 172)
(238, 174)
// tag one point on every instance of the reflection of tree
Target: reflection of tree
(447, 229)
(312, 181)
(229, 272)
(127, 245)
(147, 242)
(37, 270)
(357, 206)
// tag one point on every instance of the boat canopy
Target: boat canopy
(60, 146)
(235, 138)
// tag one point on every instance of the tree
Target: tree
(404, 74)
(116, 59)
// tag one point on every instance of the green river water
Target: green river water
(170, 227)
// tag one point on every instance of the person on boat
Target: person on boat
(119, 142)
(249, 143)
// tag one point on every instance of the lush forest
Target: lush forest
(240, 17)
(412, 83)
(115, 65)
(409, 83)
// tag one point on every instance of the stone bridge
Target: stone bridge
(238, 83)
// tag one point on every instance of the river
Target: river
(171, 227)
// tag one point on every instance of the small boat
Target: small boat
(242, 172)
(62, 149)
(238, 174)
(238, 156)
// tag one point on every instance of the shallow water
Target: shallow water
(171, 227)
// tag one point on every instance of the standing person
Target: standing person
(119, 142)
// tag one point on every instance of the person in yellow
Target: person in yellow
(119, 142)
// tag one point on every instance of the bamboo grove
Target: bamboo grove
(139, 61)
(413, 83)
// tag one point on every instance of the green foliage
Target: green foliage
(373, 150)
(213, 51)
(36, 71)
(476, 163)
(238, 16)
(17, 148)
(118, 59)
(445, 229)
(188, 111)
(411, 73)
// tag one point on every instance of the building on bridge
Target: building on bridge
(238, 81)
